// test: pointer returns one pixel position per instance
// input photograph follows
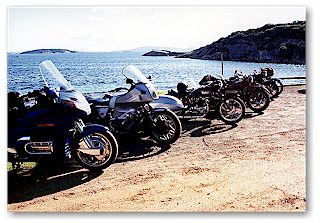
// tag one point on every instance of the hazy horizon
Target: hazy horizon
(130, 50)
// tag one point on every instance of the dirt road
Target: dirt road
(258, 165)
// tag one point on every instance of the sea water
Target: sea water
(101, 72)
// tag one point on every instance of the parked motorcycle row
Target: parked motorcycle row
(59, 121)
(227, 97)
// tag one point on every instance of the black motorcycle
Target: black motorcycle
(209, 96)
(48, 123)
(265, 77)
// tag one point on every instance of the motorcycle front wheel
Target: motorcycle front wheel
(167, 127)
(97, 150)
(231, 110)
(258, 101)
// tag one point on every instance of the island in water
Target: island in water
(163, 53)
(48, 51)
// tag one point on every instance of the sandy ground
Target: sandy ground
(258, 165)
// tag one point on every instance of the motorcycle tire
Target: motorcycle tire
(279, 84)
(168, 127)
(258, 101)
(231, 110)
(272, 87)
(97, 162)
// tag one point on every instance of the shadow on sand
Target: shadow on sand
(50, 176)
(251, 114)
(202, 127)
(47, 177)
(134, 148)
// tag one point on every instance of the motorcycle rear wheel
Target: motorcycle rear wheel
(168, 127)
(231, 110)
(106, 142)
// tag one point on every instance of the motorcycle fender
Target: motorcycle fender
(92, 128)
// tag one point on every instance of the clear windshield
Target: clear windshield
(138, 77)
(53, 78)
(135, 74)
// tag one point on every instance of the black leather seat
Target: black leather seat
(98, 101)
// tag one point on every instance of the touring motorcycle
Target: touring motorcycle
(48, 123)
(209, 96)
(130, 111)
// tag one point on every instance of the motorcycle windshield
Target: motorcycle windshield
(53, 78)
(64, 90)
(133, 73)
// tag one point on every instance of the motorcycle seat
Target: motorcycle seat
(98, 101)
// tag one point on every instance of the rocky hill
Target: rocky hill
(279, 43)
(48, 51)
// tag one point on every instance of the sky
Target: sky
(120, 28)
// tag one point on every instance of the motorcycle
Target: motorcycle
(210, 96)
(48, 123)
(131, 112)
(252, 93)
(265, 77)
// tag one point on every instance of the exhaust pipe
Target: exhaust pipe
(39, 148)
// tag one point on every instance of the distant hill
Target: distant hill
(48, 51)
(279, 43)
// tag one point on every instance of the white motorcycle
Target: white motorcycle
(130, 112)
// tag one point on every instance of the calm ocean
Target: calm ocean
(100, 72)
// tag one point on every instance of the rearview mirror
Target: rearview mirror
(129, 81)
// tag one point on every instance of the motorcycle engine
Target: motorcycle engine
(199, 107)
(123, 119)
